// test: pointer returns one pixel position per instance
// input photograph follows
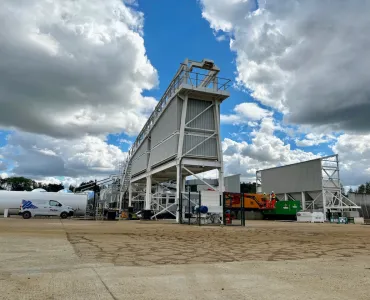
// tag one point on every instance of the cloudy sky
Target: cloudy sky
(79, 78)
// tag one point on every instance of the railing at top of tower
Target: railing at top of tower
(194, 79)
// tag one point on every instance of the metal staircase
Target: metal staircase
(126, 177)
(89, 212)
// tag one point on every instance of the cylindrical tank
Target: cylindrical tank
(65, 191)
(13, 199)
(38, 190)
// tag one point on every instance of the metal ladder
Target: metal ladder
(99, 213)
(126, 177)
(88, 212)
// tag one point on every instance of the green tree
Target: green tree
(361, 189)
(367, 187)
(2, 183)
(52, 187)
(248, 187)
(19, 184)
(89, 185)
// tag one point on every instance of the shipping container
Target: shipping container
(283, 210)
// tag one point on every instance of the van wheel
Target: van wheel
(26, 215)
(64, 215)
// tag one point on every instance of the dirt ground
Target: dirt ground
(140, 243)
(75, 259)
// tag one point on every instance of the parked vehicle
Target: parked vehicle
(11, 200)
(32, 208)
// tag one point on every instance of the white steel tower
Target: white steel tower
(182, 135)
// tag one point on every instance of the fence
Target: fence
(200, 208)
(210, 208)
(362, 200)
(233, 209)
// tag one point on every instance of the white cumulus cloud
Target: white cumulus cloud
(312, 139)
(40, 156)
(264, 151)
(309, 59)
(246, 113)
(354, 156)
(70, 68)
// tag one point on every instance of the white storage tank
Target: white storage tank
(38, 190)
(318, 217)
(314, 217)
(304, 216)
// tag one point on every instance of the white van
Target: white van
(31, 208)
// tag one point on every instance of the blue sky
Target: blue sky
(191, 37)
(80, 80)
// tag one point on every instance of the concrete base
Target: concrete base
(47, 266)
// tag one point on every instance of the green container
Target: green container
(284, 208)
(287, 207)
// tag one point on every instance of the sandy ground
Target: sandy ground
(75, 259)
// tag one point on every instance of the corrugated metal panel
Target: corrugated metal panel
(139, 165)
(295, 196)
(198, 182)
(305, 176)
(139, 160)
(212, 200)
(232, 183)
(362, 200)
(163, 146)
(206, 120)
(164, 151)
(167, 124)
(179, 112)
(206, 149)
(141, 150)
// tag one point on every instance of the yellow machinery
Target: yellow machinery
(251, 201)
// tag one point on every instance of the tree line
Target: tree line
(248, 187)
(27, 184)
(362, 189)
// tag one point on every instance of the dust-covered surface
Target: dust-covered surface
(150, 243)
(75, 259)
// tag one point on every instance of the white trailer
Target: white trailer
(12, 200)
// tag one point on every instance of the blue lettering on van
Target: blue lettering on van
(26, 204)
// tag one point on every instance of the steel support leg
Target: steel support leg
(183, 182)
(130, 194)
(221, 187)
(178, 191)
(148, 194)
(303, 201)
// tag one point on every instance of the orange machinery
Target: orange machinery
(251, 201)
